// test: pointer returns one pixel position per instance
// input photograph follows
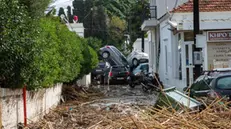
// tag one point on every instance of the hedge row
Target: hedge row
(39, 53)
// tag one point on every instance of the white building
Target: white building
(171, 32)
(137, 45)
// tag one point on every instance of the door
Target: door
(187, 63)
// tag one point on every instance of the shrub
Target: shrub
(58, 55)
(16, 43)
(39, 53)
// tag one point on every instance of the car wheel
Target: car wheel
(135, 62)
(105, 55)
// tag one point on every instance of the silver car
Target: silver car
(113, 56)
(137, 57)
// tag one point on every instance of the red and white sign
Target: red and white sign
(214, 36)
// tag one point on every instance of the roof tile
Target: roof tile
(205, 6)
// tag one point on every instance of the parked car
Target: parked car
(99, 72)
(117, 74)
(113, 56)
(215, 83)
(137, 57)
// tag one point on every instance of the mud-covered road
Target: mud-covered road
(114, 106)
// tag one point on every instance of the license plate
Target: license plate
(98, 70)
(120, 78)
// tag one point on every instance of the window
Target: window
(144, 68)
(224, 83)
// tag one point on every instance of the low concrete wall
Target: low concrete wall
(38, 104)
(85, 81)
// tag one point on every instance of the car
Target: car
(134, 78)
(99, 72)
(113, 56)
(213, 84)
(117, 74)
(136, 57)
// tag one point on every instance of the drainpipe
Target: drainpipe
(24, 105)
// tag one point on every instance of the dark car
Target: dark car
(117, 74)
(216, 83)
(113, 56)
(134, 78)
(99, 72)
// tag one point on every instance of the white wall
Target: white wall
(76, 27)
(138, 45)
(85, 81)
(165, 55)
(168, 61)
(38, 104)
(208, 20)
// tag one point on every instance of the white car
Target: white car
(137, 57)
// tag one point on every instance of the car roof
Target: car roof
(143, 64)
(224, 74)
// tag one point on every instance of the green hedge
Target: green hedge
(40, 53)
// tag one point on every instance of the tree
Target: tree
(78, 9)
(69, 15)
(35, 8)
(94, 43)
(61, 11)
(135, 21)
(117, 27)
(95, 22)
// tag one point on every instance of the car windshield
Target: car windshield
(224, 83)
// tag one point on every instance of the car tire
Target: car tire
(135, 62)
(105, 55)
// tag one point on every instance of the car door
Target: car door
(222, 85)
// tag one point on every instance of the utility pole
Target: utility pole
(196, 18)
(142, 32)
(196, 30)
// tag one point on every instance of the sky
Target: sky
(61, 3)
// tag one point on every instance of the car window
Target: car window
(224, 83)
(101, 65)
(201, 83)
(118, 69)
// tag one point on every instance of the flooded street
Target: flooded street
(116, 106)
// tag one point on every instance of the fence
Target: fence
(38, 104)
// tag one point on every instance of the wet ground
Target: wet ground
(123, 94)
(115, 106)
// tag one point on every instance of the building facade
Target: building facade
(173, 39)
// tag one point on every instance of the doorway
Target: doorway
(187, 63)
